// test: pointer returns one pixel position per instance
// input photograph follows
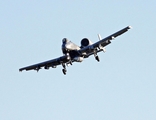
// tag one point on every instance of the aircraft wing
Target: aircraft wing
(51, 63)
(102, 43)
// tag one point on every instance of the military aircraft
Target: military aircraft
(74, 53)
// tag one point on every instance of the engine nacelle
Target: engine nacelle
(85, 42)
(78, 59)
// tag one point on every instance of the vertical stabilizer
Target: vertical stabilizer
(99, 36)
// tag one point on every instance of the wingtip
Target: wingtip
(130, 27)
(20, 70)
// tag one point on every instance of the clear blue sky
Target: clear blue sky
(121, 87)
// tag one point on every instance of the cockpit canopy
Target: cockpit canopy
(65, 40)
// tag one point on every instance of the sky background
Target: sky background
(122, 86)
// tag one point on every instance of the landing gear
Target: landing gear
(67, 62)
(64, 70)
(97, 58)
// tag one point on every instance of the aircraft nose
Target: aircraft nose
(64, 40)
(66, 46)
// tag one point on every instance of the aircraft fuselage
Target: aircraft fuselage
(70, 47)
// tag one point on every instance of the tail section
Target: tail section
(99, 36)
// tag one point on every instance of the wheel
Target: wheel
(64, 71)
(97, 58)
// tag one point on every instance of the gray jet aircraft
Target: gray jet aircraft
(74, 53)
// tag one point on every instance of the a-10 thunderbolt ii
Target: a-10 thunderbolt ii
(74, 53)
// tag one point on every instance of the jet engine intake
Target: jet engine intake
(78, 59)
(85, 42)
